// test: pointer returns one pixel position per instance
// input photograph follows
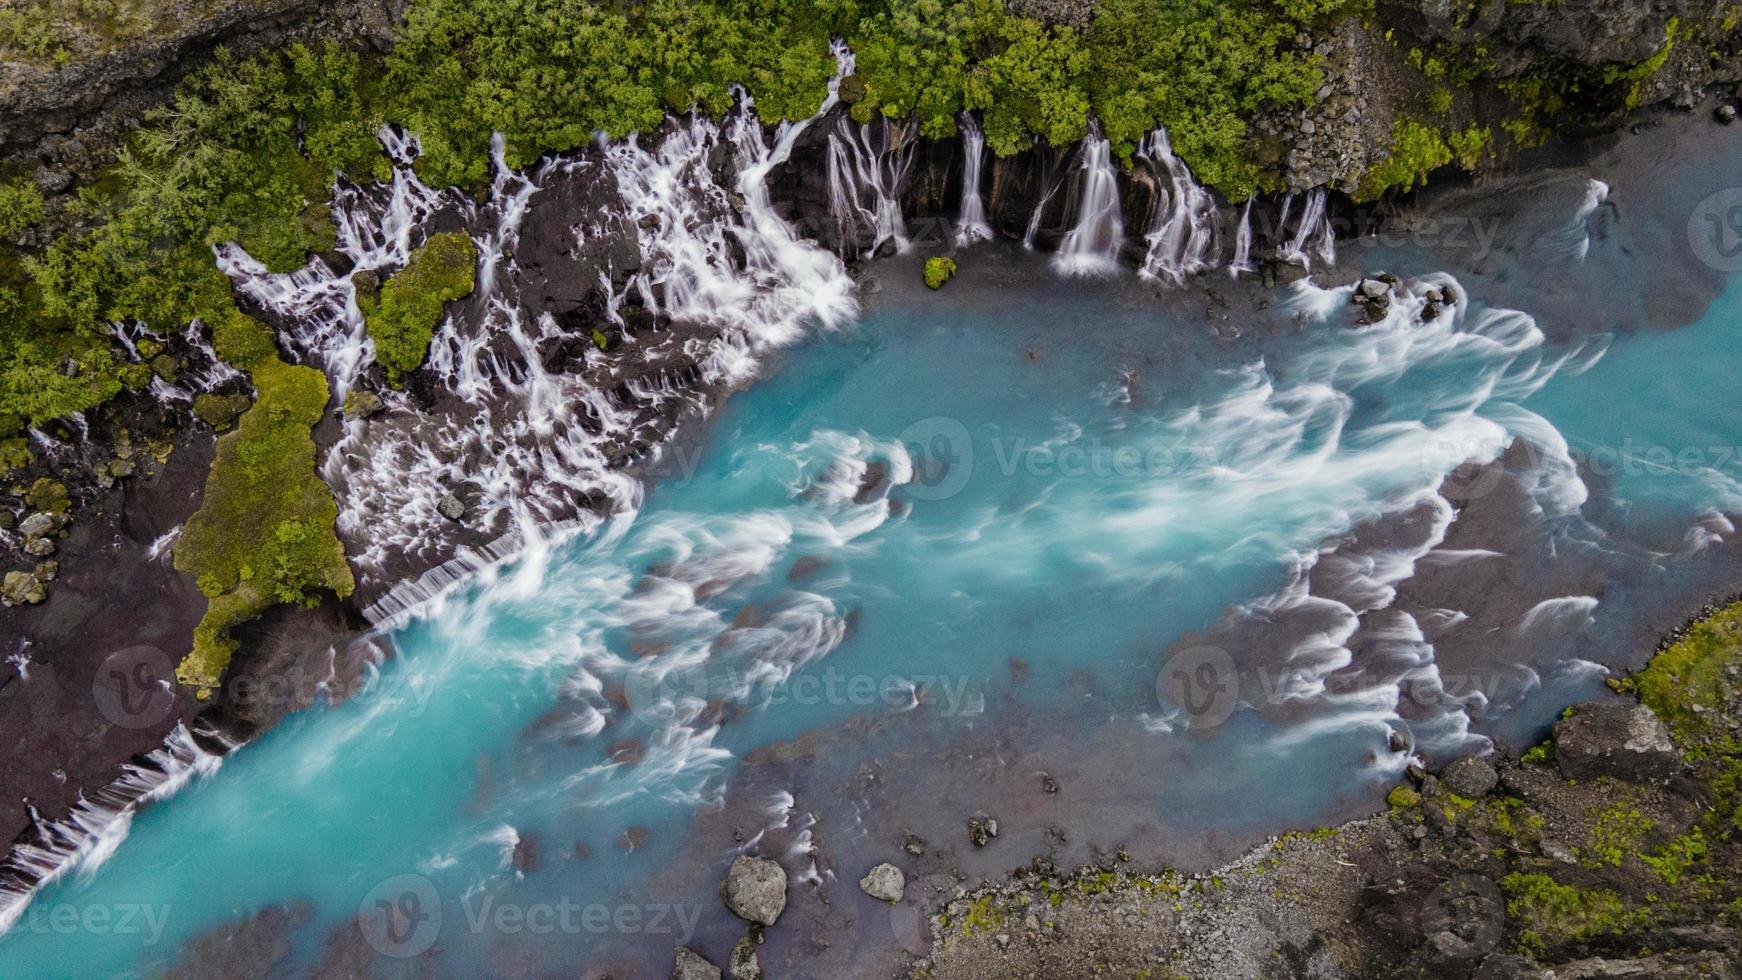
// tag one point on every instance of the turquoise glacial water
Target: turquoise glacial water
(984, 511)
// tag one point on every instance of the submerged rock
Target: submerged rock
(451, 507)
(744, 965)
(884, 883)
(361, 404)
(691, 965)
(755, 889)
(1625, 741)
(1470, 777)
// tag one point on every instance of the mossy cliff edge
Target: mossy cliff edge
(1614, 849)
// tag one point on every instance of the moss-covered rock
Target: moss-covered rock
(220, 411)
(264, 531)
(405, 316)
(939, 269)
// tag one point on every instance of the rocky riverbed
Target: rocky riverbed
(1605, 852)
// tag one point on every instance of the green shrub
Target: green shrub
(410, 307)
(938, 270)
(1416, 151)
(20, 207)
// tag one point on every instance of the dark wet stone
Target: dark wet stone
(526, 853)
(806, 567)
(631, 840)
(744, 964)
(1625, 741)
(626, 751)
(981, 830)
(1470, 777)
(451, 507)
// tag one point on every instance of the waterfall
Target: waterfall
(972, 226)
(867, 166)
(1091, 247)
(89, 834)
(1243, 243)
(1313, 236)
(541, 447)
(1576, 236)
(1182, 233)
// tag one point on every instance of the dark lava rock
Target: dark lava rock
(1725, 114)
(981, 830)
(1470, 778)
(451, 507)
(744, 964)
(1625, 741)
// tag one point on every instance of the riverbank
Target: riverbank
(1609, 850)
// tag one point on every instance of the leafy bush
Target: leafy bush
(20, 207)
(939, 270)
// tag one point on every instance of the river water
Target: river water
(1121, 567)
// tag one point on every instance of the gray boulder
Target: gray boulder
(1470, 778)
(1624, 741)
(37, 525)
(755, 889)
(451, 507)
(690, 965)
(884, 883)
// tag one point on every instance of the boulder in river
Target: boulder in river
(691, 965)
(1470, 778)
(1624, 741)
(451, 507)
(884, 883)
(744, 965)
(755, 889)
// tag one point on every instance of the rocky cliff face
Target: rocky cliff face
(64, 119)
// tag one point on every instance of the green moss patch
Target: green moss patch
(264, 532)
(1689, 674)
(939, 270)
(1549, 914)
(405, 316)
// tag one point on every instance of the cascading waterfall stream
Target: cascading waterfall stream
(971, 227)
(1242, 261)
(1184, 224)
(1314, 237)
(867, 167)
(1091, 247)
